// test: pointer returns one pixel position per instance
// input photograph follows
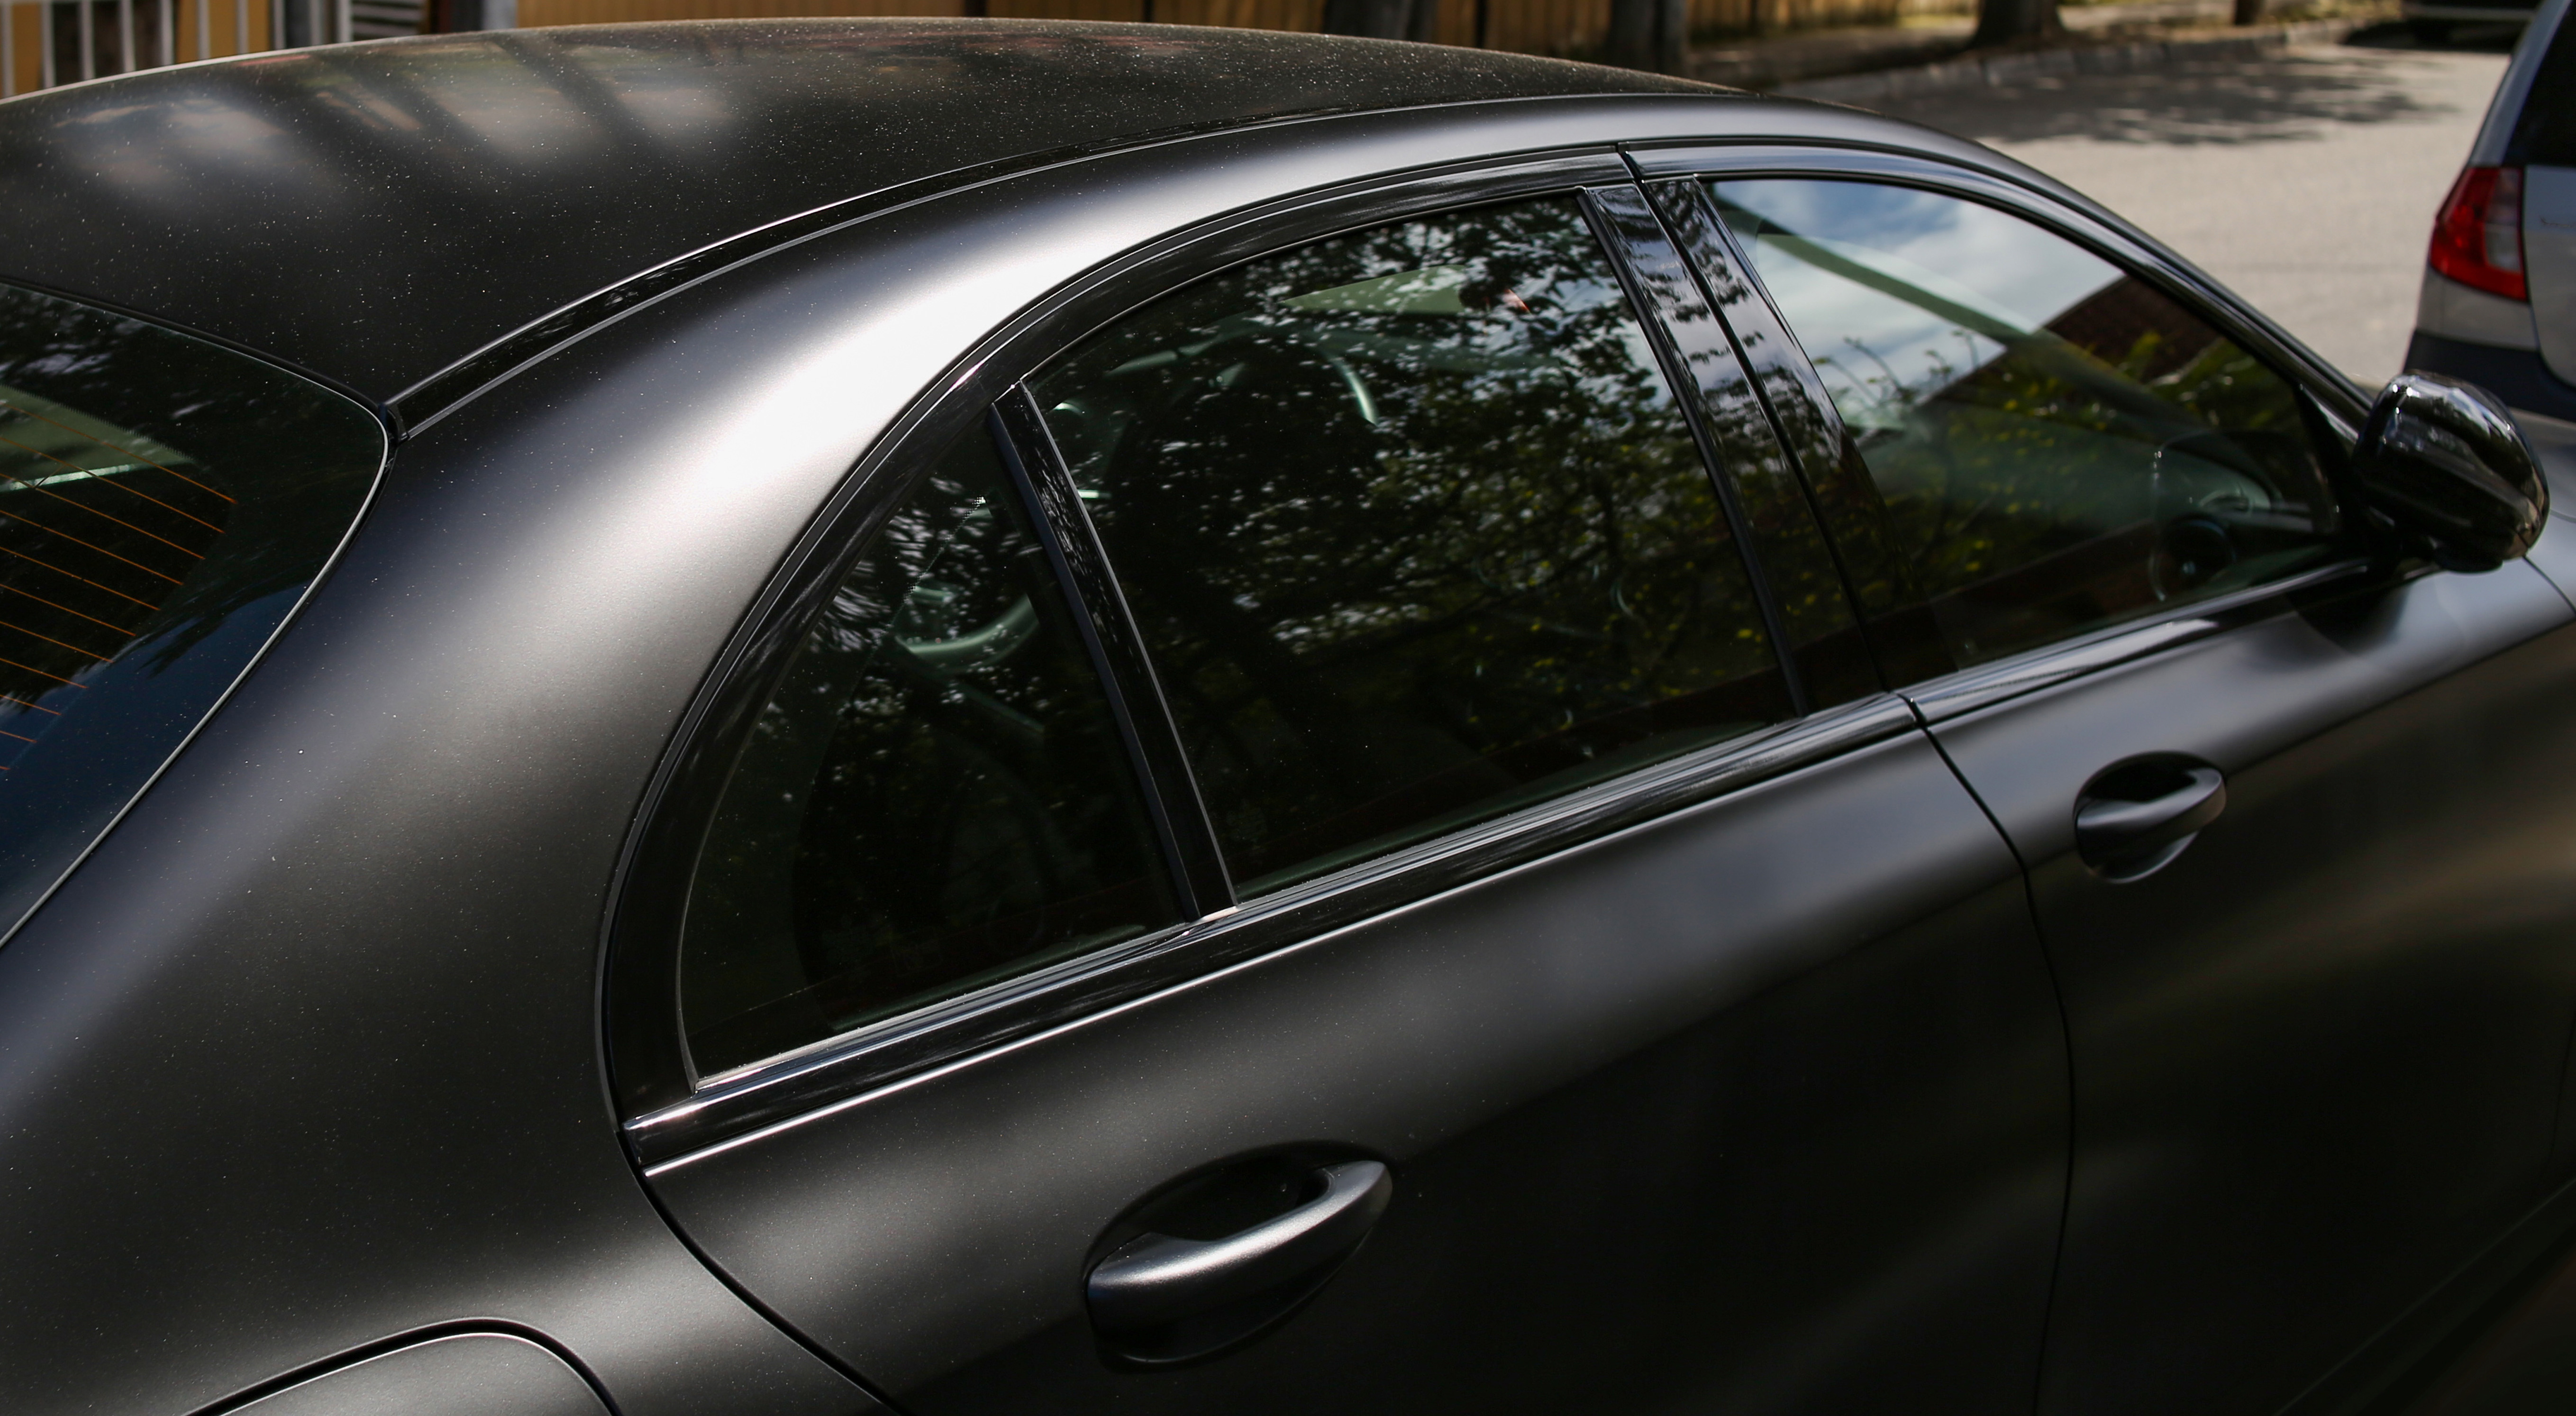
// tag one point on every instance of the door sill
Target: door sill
(2404, 1359)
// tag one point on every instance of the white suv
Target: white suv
(2499, 302)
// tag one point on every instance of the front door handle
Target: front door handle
(2137, 815)
(1145, 1291)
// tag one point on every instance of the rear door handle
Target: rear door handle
(1154, 1281)
(2137, 815)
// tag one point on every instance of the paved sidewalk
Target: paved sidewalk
(2305, 178)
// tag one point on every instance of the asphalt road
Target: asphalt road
(2305, 182)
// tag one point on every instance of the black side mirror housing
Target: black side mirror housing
(2444, 463)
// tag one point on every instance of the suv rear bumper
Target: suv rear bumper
(2515, 375)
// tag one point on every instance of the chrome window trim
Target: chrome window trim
(1965, 691)
(784, 1091)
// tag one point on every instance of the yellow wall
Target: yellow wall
(26, 64)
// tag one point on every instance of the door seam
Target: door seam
(2065, 1040)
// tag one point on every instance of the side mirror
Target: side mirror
(2443, 460)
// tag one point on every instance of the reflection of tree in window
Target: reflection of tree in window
(1415, 531)
(2042, 476)
(934, 798)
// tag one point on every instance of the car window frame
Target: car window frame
(2339, 404)
(669, 1113)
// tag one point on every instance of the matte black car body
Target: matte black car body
(349, 1054)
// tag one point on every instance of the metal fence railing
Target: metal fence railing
(49, 42)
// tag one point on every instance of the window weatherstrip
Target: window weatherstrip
(847, 1070)
(1606, 209)
(1118, 654)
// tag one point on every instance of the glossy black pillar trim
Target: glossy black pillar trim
(1616, 215)
(847, 1069)
(1828, 466)
(1690, 223)
(1117, 652)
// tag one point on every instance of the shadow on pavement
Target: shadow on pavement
(2462, 38)
(2284, 98)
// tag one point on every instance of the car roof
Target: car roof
(377, 212)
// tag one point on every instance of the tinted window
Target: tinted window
(935, 797)
(1415, 534)
(2544, 133)
(2058, 445)
(163, 503)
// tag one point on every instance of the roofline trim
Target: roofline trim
(432, 399)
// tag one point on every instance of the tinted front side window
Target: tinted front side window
(935, 797)
(163, 504)
(2059, 445)
(1415, 533)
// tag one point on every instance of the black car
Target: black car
(977, 717)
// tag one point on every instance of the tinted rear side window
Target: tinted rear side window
(936, 797)
(1415, 532)
(2545, 133)
(163, 503)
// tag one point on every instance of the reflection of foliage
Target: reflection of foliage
(934, 795)
(2032, 493)
(1818, 584)
(2041, 483)
(1399, 565)
(1770, 502)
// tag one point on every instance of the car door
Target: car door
(2293, 809)
(1315, 764)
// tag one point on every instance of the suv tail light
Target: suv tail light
(2477, 240)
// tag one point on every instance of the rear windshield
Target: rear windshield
(2545, 134)
(163, 504)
